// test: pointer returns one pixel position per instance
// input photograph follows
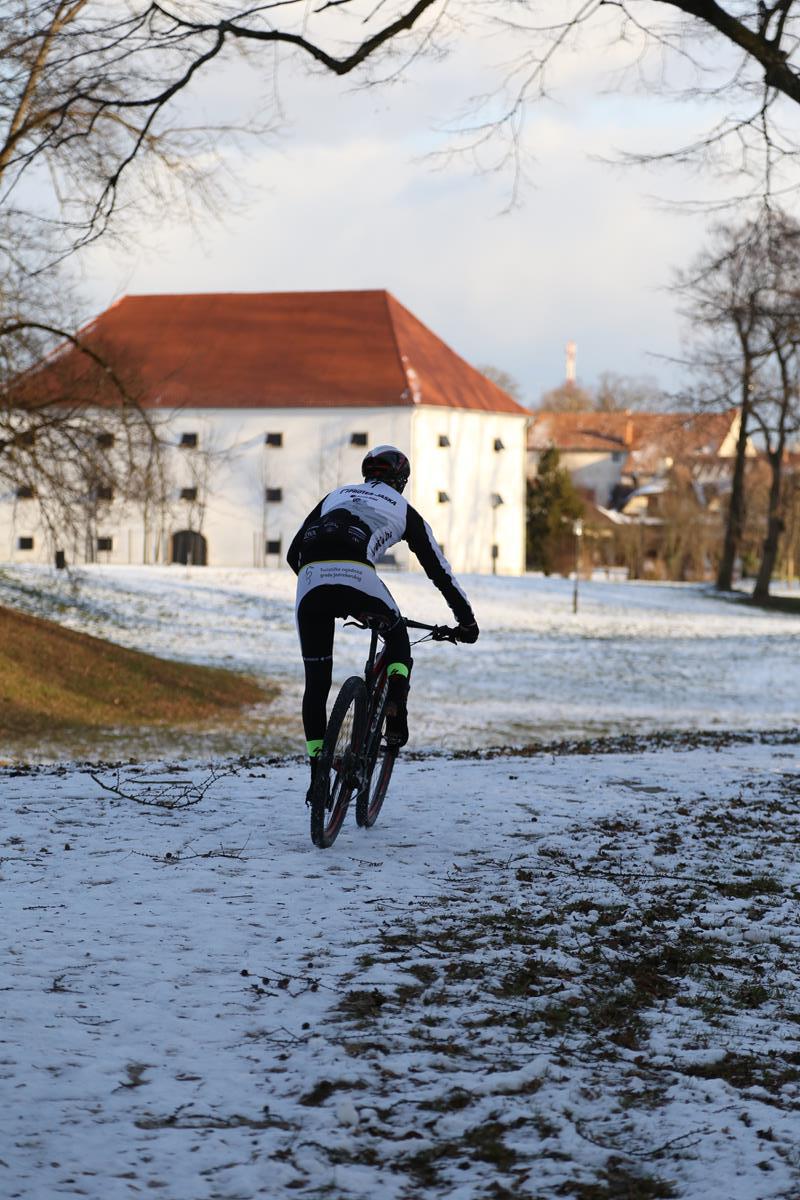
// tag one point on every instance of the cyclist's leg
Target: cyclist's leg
(380, 602)
(315, 626)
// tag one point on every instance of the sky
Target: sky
(350, 190)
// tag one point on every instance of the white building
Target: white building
(269, 401)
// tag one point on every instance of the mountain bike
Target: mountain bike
(357, 758)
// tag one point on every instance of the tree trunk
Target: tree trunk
(736, 509)
(769, 549)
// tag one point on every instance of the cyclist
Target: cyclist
(333, 554)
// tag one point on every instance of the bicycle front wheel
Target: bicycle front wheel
(379, 762)
(338, 767)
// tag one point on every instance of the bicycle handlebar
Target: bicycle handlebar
(439, 633)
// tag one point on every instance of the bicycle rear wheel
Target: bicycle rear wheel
(379, 762)
(337, 773)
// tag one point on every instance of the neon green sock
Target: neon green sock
(313, 747)
(397, 669)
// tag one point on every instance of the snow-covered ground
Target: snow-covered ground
(555, 975)
(536, 976)
(636, 657)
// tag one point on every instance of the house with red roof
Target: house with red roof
(268, 401)
(618, 459)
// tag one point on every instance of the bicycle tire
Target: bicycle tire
(369, 800)
(337, 772)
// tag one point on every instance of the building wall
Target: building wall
(598, 471)
(234, 470)
(473, 475)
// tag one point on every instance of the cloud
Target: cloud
(345, 197)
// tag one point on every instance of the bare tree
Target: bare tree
(615, 393)
(92, 89)
(776, 412)
(741, 299)
(567, 397)
(503, 379)
(723, 297)
(96, 103)
(72, 449)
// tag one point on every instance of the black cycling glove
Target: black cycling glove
(467, 633)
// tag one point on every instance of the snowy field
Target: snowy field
(547, 976)
(636, 658)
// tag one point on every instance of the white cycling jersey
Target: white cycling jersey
(360, 522)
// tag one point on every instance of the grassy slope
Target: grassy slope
(53, 678)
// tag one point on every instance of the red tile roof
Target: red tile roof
(643, 436)
(273, 350)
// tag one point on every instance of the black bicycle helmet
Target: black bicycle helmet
(387, 464)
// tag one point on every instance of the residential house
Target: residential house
(618, 459)
(654, 484)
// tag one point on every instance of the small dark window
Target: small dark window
(105, 440)
(189, 493)
(498, 444)
(444, 440)
(495, 550)
(497, 500)
(189, 440)
(274, 547)
(274, 439)
(358, 439)
(26, 492)
(443, 498)
(25, 543)
(274, 495)
(105, 543)
(104, 491)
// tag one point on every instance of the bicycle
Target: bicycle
(356, 757)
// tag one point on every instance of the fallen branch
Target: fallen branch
(160, 793)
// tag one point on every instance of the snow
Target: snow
(529, 975)
(547, 974)
(636, 657)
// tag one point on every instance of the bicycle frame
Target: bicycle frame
(353, 768)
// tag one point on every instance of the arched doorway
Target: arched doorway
(190, 548)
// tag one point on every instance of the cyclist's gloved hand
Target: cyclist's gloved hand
(468, 632)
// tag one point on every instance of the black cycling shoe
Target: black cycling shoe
(314, 764)
(396, 723)
(397, 710)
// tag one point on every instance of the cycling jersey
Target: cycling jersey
(358, 523)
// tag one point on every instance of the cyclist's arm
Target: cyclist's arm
(419, 536)
(293, 553)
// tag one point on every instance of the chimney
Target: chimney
(629, 433)
(572, 350)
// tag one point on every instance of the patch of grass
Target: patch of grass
(618, 1182)
(452, 1101)
(486, 1144)
(423, 972)
(747, 1070)
(362, 1005)
(757, 885)
(54, 679)
(323, 1091)
(751, 994)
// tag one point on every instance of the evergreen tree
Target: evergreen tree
(553, 504)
